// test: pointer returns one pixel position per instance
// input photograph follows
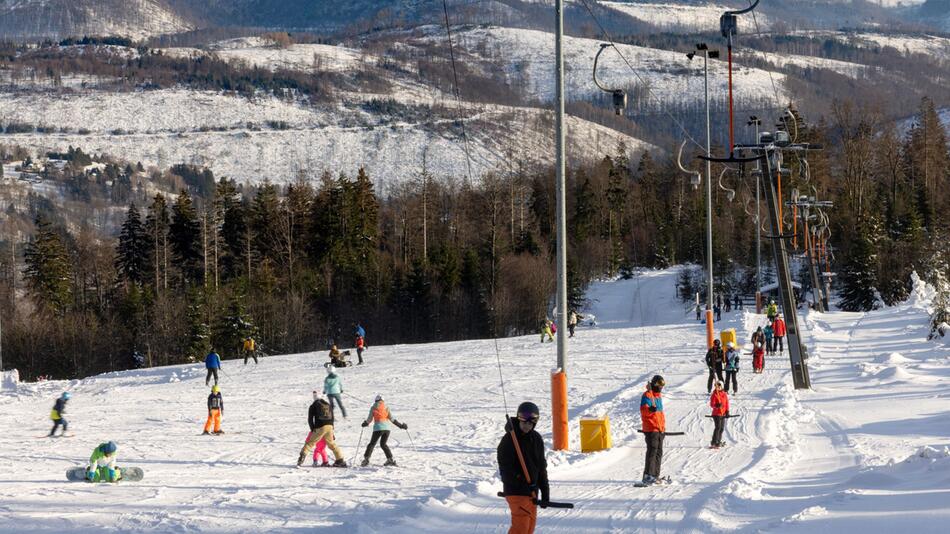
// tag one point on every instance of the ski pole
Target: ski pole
(358, 443)
(410, 440)
(354, 397)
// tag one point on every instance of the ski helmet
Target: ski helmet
(66, 395)
(215, 389)
(379, 398)
(528, 411)
(108, 448)
(731, 345)
(716, 342)
(316, 394)
(657, 382)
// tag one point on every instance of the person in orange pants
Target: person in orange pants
(523, 481)
(215, 411)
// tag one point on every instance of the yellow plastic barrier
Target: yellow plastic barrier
(728, 335)
(595, 434)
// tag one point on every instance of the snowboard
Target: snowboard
(129, 474)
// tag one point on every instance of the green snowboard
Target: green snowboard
(129, 474)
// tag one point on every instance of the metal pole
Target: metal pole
(758, 230)
(709, 248)
(558, 394)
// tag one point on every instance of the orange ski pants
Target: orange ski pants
(214, 416)
(524, 514)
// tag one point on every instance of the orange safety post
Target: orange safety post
(559, 409)
(709, 329)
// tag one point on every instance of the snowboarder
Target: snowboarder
(249, 350)
(714, 362)
(102, 464)
(212, 363)
(57, 414)
(523, 480)
(769, 332)
(320, 419)
(732, 367)
(654, 428)
(546, 330)
(360, 347)
(779, 327)
(215, 410)
(333, 389)
(719, 401)
(758, 359)
(571, 323)
(381, 418)
(772, 310)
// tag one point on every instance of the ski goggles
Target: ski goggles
(528, 418)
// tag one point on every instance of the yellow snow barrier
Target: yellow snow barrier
(728, 335)
(595, 434)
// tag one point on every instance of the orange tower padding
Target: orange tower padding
(710, 335)
(559, 409)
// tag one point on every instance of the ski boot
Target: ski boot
(218, 432)
(205, 433)
(339, 463)
(300, 459)
(365, 462)
(648, 480)
(390, 462)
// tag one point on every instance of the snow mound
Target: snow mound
(929, 453)
(921, 294)
(894, 358)
(807, 513)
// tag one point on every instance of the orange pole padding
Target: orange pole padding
(559, 409)
(710, 334)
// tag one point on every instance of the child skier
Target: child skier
(546, 330)
(249, 350)
(769, 334)
(732, 367)
(102, 464)
(215, 410)
(381, 417)
(654, 428)
(719, 401)
(320, 419)
(333, 388)
(57, 414)
(212, 363)
(360, 347)
(758, 359)
(523, 481)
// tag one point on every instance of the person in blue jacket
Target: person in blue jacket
(212, 363)
(732, 367)
(57, 414)
(333, 389)
(359, 331)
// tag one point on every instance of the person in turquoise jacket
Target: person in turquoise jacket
(333, 389)
(769, 334)
(102, 464)
(212, 363)
(381, 418)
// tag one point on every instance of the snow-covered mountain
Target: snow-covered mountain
(864, 451)
(42, 19)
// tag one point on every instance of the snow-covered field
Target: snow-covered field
(686, 17)
(865, 450)
(934, 45)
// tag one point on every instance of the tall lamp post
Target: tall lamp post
(707, 54)
(559, 376)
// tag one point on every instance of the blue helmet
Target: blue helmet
(66, 395)
(108, 448)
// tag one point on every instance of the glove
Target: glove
(543, 503)
(90, 475)
(404, 426)
(727, 413)
(652, 409)
(718, 405)
(113, 475)
(365, 424)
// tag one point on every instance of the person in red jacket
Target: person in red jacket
(779, 327)
(719, 401)
(654, 428)
(360, 347)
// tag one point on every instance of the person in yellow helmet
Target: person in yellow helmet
(215, 411)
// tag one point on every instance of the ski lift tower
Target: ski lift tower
(804, 205)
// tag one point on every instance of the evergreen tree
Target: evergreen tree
(132, 258)
(232, 216)
(156, 245)
(233, 326)
(199, 332)
(184, 235)
(858, 275)
(48, 269)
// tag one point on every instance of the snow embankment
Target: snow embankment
(688, 18)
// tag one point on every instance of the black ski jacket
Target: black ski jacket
(215, 402)
(512, 476)
(714, 357)
(321, 414)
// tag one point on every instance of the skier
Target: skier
(333, 388)
(772, 310)
(758, 359)
(215, 411)
(249, 350)
(360, 347)
(572, 323)
(654, 428)
(320, 458)
(769, 334)
(212, 363)
(337, 358)
(523, 480)
(546, 330)
(360, 331)
(718, 309)
(719, 401)
(381, 417)
(738, 302)
(57, 414)
(728, 303)
(714, 362)
(320, 419)
(758, 337)
(779, 327)
(102, 464)
(732, 367)
(698, 312)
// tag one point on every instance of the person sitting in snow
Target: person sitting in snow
(337, 357)
(381, 417)
(57, 414)
(102, 464)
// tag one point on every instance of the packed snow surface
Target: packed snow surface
(860, 452)
(686, 17)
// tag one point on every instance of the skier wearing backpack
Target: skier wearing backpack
(212, 363)
(523, 482)
(714, 362)
(779, 327)
(654, 428)
(320, 419)
(772, 310)
(732, 367)
(333, 389)
(381, 418)
(719, 401)
(215, 411)
(57, 414)
(769, 334)
(102, 464)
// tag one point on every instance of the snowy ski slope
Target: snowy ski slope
(866, 450)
